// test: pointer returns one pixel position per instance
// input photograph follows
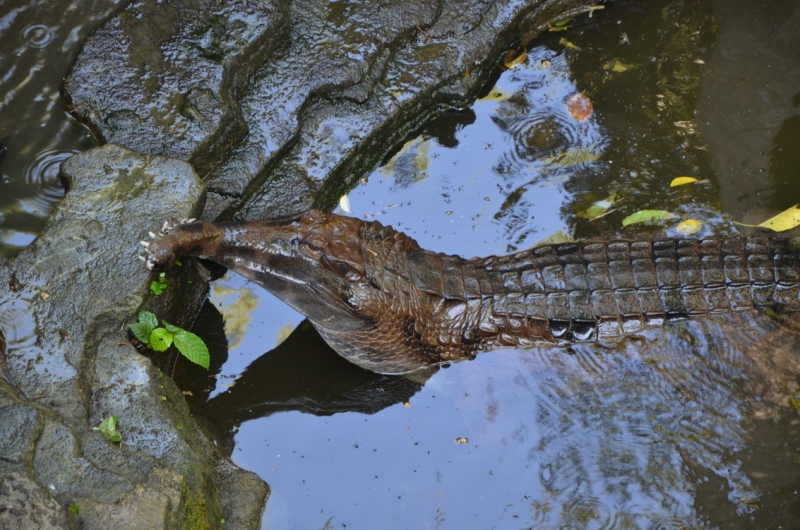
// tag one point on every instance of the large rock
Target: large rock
(63, 314)
(335, 85)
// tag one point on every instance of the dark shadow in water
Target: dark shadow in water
(302, 374)
(784, 163)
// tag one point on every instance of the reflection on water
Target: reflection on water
(38, 42)
(695, 425)
(588, 437)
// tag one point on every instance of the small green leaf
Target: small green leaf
(171, 328)
(160, 285)
(647, 215)
(75, 509)
(142, 329)
(193, 348)
(160, 339)
(109, 429)
(148, 318)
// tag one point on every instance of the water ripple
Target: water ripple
(38, 35)
(43, 178)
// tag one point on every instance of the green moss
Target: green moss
(194, 510)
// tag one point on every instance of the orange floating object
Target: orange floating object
(579, 106)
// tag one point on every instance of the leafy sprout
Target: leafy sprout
(160, 338)
(109, 429)
(160, 285)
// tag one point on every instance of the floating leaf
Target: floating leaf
(647, 215)
(680, 181)
(579, 106)
(562, 23)
(598, 208)
(689, 227)
(558, 237)
(568, 45)
(495, 94)
(513, 59)
(344, 203)
(785, 220)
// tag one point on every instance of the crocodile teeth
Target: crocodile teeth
(142, 258)
(145, 244)
(151, 234)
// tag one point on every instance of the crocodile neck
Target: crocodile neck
(411, 308)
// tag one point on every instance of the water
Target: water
(691, 426)
(38, 42)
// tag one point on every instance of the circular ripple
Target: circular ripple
(38, 35)
(43, 181)
(540, 134)
(590, 512)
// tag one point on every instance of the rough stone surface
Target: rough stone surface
(172, 73)
(63, 315)
(24, 505)
(344, 82)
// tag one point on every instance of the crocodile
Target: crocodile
(392, 307)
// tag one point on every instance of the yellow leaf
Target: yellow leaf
(516, 61)
(344, 202)
(785, 220)
(495, 94)
(570, 46)
(680, 181)
(689, 227)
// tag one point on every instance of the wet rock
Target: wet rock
(165, 78)
(24, 504)
(72, 292)
(334, 86)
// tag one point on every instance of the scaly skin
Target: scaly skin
(392, 307)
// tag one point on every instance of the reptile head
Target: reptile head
(312, 261)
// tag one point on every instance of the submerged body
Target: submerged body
(386, 304)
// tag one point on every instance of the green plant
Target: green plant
(158, 286)
(109, 429)
(158, 338)
(75, 509)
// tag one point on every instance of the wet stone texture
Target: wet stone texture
(332, 86)
(63, 309)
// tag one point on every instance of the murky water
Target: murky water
(692, 426)
(38, 43)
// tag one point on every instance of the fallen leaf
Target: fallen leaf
(568, 45)
(513, 59)
(689, 227)
(680, 181)
(785, 220)
(647, 215)
(344, 202)
(558, 237)
(495, 94)
(579, 106)
(598, 208)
